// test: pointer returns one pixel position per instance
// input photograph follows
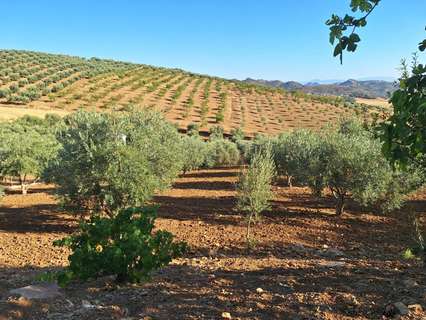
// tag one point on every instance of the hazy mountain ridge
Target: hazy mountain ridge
(351, 87)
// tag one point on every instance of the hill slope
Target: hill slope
(350, 88)
(40, 81)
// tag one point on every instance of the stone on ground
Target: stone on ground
(38, 291)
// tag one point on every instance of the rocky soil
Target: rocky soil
(307, 264)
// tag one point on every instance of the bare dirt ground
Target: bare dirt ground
(9, 113)
(375, 102)
(307, 264)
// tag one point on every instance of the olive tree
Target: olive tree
(296, 154)
(112, 161)
(352, 165)
(26, 148)
(193, 152)
(216, 132)
(221, 152)
(404, 131)
(254, 186)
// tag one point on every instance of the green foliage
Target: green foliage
(220, 117)
(124, 246)
(216, 132)
(112, 161)
(408, 254)
(297, 155)
(4, 93)
(221, 152)
(237, 134)
(353, 165)
(193, 129)
(404, 133)
(339, 25)
(259, 143)
(254, 186)
(27, 145)
(194, 153)
(42, 70)
(343, 29)
(348, 162)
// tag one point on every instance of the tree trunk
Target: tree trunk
(24, 188)
(289, 181)
(340, 205)
(250, 218)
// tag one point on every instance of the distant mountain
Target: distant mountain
(333, 81)
(289, 85)
(350, 88)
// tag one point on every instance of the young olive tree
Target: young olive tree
(112, 161)
(254, 187)
(26, 148)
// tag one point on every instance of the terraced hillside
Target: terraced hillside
(40, 81)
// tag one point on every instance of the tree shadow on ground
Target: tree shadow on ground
(288, 291)
(214, 173)
(205, 185)
(37, 218)
(217, 210)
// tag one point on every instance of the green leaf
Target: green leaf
(352, 46)
(422, 45)
(354, 37)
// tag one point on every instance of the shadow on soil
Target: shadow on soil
(37, 219)
(188, 291)
(204, 185)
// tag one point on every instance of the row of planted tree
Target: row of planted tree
(106, 166)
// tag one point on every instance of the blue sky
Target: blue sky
(270, 39)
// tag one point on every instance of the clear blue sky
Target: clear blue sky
(270, 39)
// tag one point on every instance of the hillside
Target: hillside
(369, 89)
(48, 82)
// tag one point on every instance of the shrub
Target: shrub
(216, 132)
(220, 116)
(13, 88)
(124, 246)
(221, 152)
(193, 129)
(254, 186)
(237, 134)
(22, 82)
(245, 148)
(259, 143)
(57, 87)
(111, 161)
(396, 185)
(4, 93)
(194, 153)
